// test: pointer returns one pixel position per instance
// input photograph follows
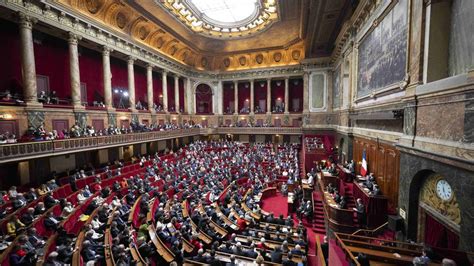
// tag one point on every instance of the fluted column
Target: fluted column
(107, 75)
(236, 97)
(189, 97)
(149, 87)
(28, 59)
(164, 82)
(306, 92)
(74, 71)
(269, 96)
(131, 83)
(176, 93)
(252, 103)
(287, 95)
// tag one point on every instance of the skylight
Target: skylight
(226, 12)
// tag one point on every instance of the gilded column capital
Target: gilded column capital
(26, 21)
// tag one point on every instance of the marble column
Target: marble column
(176, 94)
(306, 92)
(74, 71)
(252, 96)
(28, 68)
(220, 93)
(185, 96)
(287, 95)
(107, 75)
(189, 96)
(164, 82)
(269, 96)
(236, 97)
(149, 87)
(131, 83)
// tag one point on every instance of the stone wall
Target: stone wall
(413, 172)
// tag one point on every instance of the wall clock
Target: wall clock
(444, 190)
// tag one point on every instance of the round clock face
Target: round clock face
(443, 189)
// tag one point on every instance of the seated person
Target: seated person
(50, 222)
(342, 203)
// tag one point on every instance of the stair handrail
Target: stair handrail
(348, 253)
(372, 231)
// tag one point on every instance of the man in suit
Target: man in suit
(361, 214)
(31, 195)
(325, 248)
(34, 239)
(50, 222)
(288, 261)
(276, 255)
(28, 217)
(232, 261)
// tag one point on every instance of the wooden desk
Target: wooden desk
(340, 220)
(375, 206)
(161, 248)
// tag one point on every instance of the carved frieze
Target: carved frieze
(35, 118)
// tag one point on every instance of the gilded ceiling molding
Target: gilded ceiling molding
(265, 14)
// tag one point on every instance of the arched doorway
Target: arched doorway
(203, 99)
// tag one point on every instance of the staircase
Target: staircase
(318, 225)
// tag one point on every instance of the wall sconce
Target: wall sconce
(246, 100)
(278, 99)
(204, 118)
(296, 82)
(246, 85)
(174, 118)
(262, 84)
(278, 83)
(161, 96)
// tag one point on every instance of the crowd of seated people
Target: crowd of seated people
(313, 143)
(8, 97)
(279, 108)
(40, 133)
(201, 179)
(45, 98)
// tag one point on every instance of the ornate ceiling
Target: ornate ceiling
(298, 29)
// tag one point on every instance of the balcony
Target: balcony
(30, 150)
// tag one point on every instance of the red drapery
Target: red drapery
(296, 95)
(260, 94)
(157, 87)
(90, 69)
(437, 235)
(278, 91)
(244, 94)
(181, 94)
(52, 60)
(228, 96)
(140, 85)
(10, 68)
(170, 90)
(119, 82)
(203, 99)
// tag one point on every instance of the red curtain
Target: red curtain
(140, 85)
(228, 96)
(119, 82)
(296, 92)
(203, 99)
(90, 68)
(244, 94)
(278, 91)
(10, 68)
(170, 93)
(437, 235)
(52, 60)
(157, 87)
(260, 93)
(181, 94)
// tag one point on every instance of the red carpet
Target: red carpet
(278, 204)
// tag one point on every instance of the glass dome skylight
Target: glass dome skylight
(227, 12)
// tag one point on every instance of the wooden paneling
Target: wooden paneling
(98, 124)
(10, 126)
(60, 124)
(384, 161)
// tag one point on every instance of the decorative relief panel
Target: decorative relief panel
(317, 91)
(81, 119)
(35, 118)
(449, 209)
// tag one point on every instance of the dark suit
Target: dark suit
(276, 256)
